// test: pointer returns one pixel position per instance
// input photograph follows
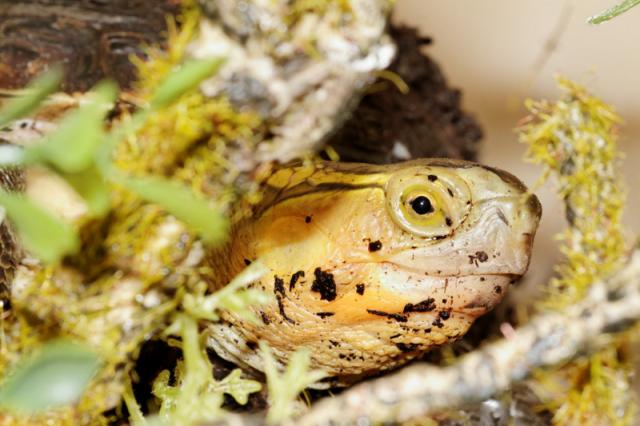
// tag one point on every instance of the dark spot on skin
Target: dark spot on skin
(424, 306)
(448, 221)
(375, 246)
(278, 285)
(432, 178)
(438, 323)
(342, 356)
(324, 284)
(480, 256)
(334, 343)
(427, 330)
(394, 336)
(307, 219)
(444, 315)
(450, 192)
(281, 308)
(323, 315)
(482, 279)
(360, 289)
(294, 279)
(497, 289)
(444, 300)
(252, 345)
(502, 217)
(265, 318)
(406, 347)
(247, 262)
(397, 317)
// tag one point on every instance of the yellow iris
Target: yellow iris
(428, 204)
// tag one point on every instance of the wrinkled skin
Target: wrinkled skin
(362, 279)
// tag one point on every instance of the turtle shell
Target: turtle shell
(92, 39)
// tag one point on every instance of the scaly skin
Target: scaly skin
(359, 277)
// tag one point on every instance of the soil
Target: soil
(428, 121)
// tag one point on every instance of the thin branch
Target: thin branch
(611, 13)
(548, 340)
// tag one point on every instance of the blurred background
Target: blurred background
(499, 52)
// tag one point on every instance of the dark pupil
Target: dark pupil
(421, 205)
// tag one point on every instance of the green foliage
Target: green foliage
(196, 397)
(84, 154)
(183, 80)
(72, 147)
(93, 189)
(233, 297)
(181, 202)
(37, 92)
(611, 13)
(56, 375)
(285, 388)
(161, 167)
(80, 152)
(43, 234)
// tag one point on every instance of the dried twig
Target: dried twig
(549, 339)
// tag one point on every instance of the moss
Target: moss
(575, 140)
(299, 8)
(136, 249)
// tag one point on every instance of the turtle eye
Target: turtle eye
(421, 205)
(427, 204)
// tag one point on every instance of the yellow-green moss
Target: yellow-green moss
(574, 139)
(299, 8)
(186, 141)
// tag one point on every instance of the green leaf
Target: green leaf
(239, 388)
(193, 399)
(233, 297)
(90, 185)
(611, 13)
(285, 388)
(56, 375)
(188, 76)
(181, 202)
(72, 146)
(42, 234)
(37, 92)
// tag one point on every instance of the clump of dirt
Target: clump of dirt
(428, 121)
